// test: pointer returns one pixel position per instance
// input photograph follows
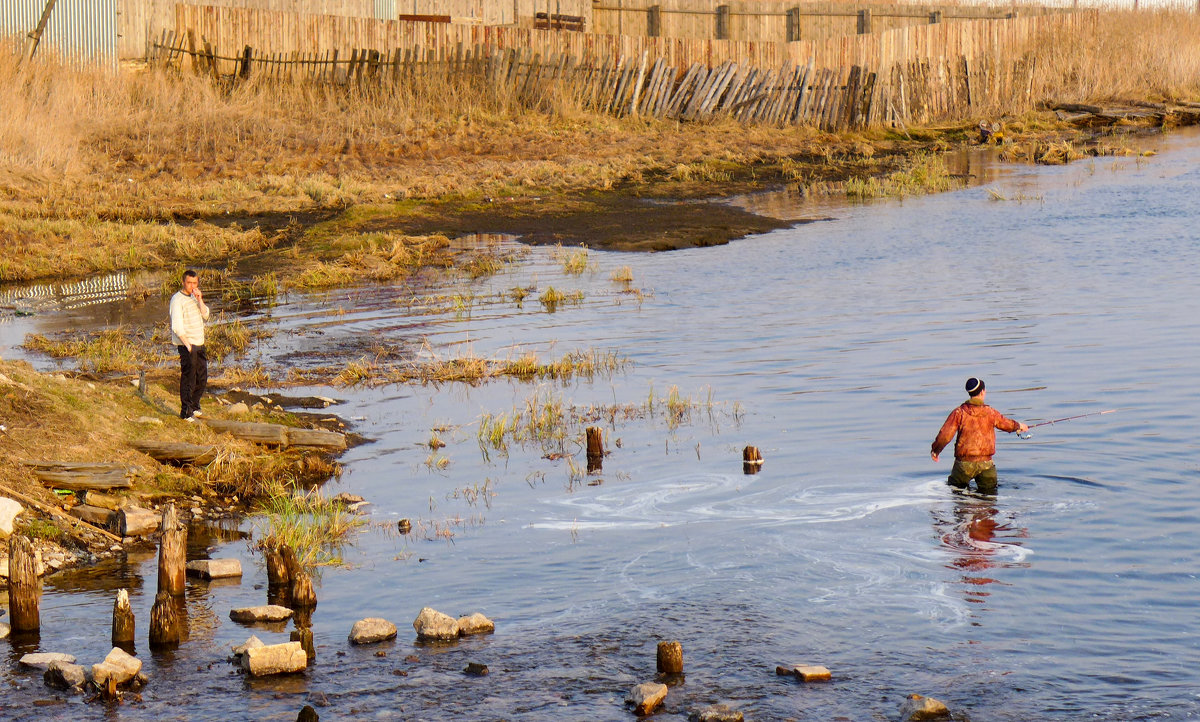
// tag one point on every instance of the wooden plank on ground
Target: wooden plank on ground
(81, 475)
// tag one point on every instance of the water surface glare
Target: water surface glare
(837, 348)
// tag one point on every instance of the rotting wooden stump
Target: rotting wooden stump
(670, 658)
(123, 621)
(165, 630)
(279, 435)
(300, 588)
(24, 586)
(172, 551)
(169, 452)
(752, 460)
(81, 475)
(595, 449)
(277, 569)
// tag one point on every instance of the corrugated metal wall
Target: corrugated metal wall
(385, 9)
(83, 31)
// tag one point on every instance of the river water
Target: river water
(836, 347)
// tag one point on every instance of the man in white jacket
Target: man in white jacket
(188, 314)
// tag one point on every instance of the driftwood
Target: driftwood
(135, 521)
(76, 524)
(96, 515)
(177, 452)
(278, 434)
(81, 475)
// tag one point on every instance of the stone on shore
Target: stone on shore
(371, 630)
(5, 630)
(646, 697)
(917, 708)
(716, 713)
(475, 624)
(238, 409)
(63, 675)
(119, 666)
(9, 510)
(42, 660)
(215, 568)
(264, 613)
(432, 624)
(275, 659)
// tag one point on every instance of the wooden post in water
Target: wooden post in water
(654, 21)
(24, 587)
(752, 460)
(172, 551)
(164, 622)
(301, 589)
(122, 622)
(670, 658)
(595, 449)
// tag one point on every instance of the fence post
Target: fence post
(793, 24)
(722, 22)
(244, 71)
(654, 21)
(935, 17)
(864, 21)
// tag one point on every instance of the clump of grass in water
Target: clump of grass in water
(624, 275)
(542, 420)
(926, 173)
(313, 526)
(114, 350)
(574, 262)
(552, 298)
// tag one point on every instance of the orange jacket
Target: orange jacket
(975, 423)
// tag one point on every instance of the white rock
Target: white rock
(61, 675)
(716, 713)
(215, 568)
(238, 409)
(5, 630)
(646, 697)
(42, 660)
(917, 708)
(250, 643)
(275, 659)
(475, 624)
(118, 665)
(9, 510)
(371, 630)
(432, 624)
(265, 613)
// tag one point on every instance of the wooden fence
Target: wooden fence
(286, 33)
(840, 98)
(779, 20)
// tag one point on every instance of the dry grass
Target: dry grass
(103, 171)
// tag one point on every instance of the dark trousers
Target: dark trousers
(983, 472)
(193, 379)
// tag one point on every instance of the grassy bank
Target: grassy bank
(148, 169)
(52, 417)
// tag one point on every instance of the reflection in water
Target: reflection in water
(979, 542)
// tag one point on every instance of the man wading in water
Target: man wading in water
(188, 314)
(975, 423)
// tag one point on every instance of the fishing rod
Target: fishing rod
(1067, 418)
